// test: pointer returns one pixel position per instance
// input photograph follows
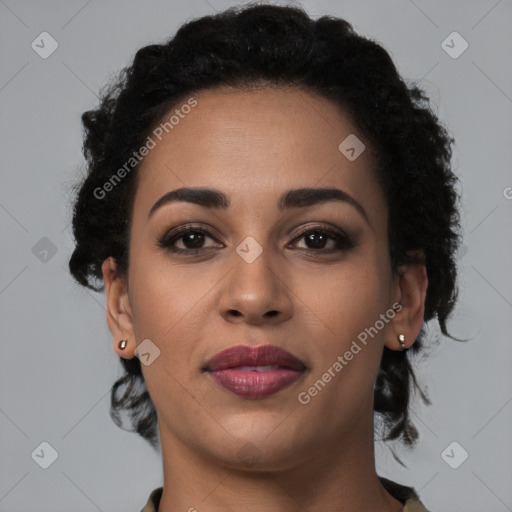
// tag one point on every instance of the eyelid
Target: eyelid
(343, 240)
(177, 232)
(211, 231)
(326, 226)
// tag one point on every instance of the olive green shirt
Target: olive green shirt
(405, 495)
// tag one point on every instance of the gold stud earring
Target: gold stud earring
(122, 344)
(401, 340)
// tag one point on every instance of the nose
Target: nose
(256, 293)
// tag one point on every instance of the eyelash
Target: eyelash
(343, 242)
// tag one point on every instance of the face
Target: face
(310, 275)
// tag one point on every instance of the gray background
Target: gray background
(57, 362)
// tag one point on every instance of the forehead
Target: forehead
(254, 144)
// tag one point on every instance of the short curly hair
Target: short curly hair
(278, 46)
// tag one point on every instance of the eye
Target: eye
(192, 240)
(318, 237)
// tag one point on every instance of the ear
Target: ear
(119, 313)
(410, 290)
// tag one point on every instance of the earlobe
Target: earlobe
(118, 310)
(412, 284)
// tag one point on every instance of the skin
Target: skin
(254, 145)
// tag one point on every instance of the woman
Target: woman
(273, 214)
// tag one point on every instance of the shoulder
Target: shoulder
(404, 494)
(153, 501)
(414, 505)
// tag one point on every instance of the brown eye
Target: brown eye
(191, 239)
(316, 240)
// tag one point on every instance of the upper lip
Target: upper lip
(245, 355)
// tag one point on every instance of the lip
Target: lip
(241, 370)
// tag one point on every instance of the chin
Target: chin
(260, 444)
(255, 457)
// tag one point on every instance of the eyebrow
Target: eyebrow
(295, 198)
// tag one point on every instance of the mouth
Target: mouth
(254, 372)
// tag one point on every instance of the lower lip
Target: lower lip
(254, 384)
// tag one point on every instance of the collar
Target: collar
(403, 494)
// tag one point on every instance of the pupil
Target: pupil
(316, 239)
(189, 239)
(320, 236)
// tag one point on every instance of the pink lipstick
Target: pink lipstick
(254, 372)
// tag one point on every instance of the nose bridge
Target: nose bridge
(255, 289)
(254, 267)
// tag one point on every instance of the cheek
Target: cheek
(347, 334)
(346, 299)
(166, 312)
(166, 296)
(166, 306)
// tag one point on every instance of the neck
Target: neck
(342, 479)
